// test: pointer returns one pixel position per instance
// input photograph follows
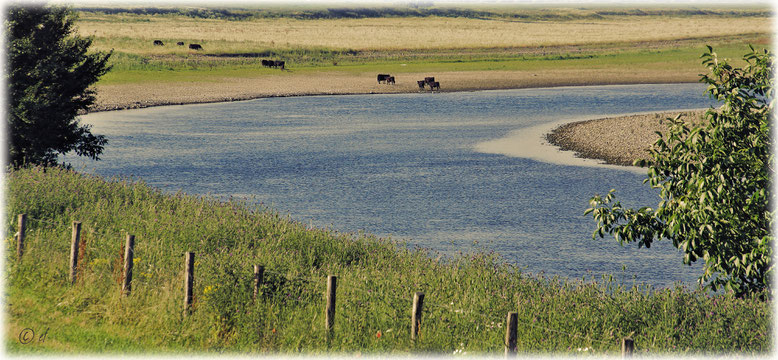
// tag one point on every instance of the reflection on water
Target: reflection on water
(448, 171)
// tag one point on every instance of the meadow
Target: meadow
(467, 297)
(135, 34)
(361, 41)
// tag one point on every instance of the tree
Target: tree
(714, 182)
(49, 73)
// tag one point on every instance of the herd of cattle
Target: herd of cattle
(278, 64)
(428, 81)
(180, 43)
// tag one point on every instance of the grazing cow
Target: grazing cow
(279, 64)
(180, 43)
(421, 84)
(435, 85)
(429, 80)
(382, 77)
(267, 63)
(390, 80)
(158, 43)
(195, 47)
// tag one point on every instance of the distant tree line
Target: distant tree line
(377, 12)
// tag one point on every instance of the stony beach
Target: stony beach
(628, 137)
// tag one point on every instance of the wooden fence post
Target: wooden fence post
(259, 272)
(20, 236)
(188, 281)
(511, 329)
(418, 303)
(627, 347)
(74, 240)
(329, 314)
(129, 252)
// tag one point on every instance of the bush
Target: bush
(714, 182)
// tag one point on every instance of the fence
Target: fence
(511, 328)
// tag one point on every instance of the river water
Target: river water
(446, 171)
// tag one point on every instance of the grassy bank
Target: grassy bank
(467, 297)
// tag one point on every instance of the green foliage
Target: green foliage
(714, 182)
(49, 73)
(467, 296)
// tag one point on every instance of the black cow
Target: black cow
(434, 85)
(421, 84)
(279, 64)
(429, 80)
(158, 43)
(195, 47)
(180, 43)
(382, 77)
(390, 80)
(267, 63)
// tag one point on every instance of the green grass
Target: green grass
(133, 68)
(467, 297)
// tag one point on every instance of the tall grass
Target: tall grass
(467, 296)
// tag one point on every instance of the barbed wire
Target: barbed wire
(43, 221)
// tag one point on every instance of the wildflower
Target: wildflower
(136, 260)
(378, 334)
(273, 331)
(208, 289)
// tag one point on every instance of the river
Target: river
(425, 168)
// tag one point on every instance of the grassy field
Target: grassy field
(467, 297)
(135, 33)
(507, 40)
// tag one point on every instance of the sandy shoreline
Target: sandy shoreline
(289, 83)
(632, 134)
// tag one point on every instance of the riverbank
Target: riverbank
(291, 83)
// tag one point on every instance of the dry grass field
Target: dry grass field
(135, 33)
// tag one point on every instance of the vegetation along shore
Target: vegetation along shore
(466, 297)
